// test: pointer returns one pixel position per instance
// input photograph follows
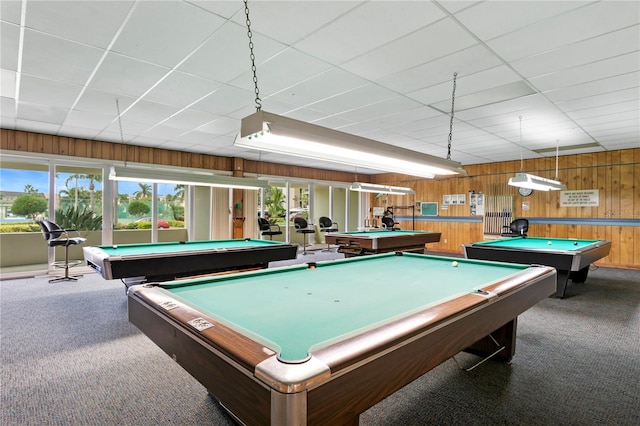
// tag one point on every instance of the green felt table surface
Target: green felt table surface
(536, 243)
(171, 247)
(293, 310)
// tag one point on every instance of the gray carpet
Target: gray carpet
(70, 357)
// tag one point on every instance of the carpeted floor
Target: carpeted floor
(70, 357)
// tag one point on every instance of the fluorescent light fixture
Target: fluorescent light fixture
(273, 133)
(525, 180)
(381, 189)
(185, 178)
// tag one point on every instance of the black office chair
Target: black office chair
(517, 228)
(327, 225)
(55, 237)
(269, 229)
(302, 227)
(389, 223)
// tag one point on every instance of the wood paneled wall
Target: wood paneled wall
(13, 140)
(616, 174)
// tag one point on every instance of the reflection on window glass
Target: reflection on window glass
(23, 196)
(134, 204)
(78, 200)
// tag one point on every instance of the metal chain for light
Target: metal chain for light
(557, 153)
(453, 97)
(253, 58)
(521, 158)
(121, 135)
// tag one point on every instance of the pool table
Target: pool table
(137, 263)
(570, 257)
(318, 344)
(358, 243)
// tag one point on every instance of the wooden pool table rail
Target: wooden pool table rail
(222, 359)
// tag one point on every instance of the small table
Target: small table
(570, 257)
(318, 344)
(137, 263)
(360, 243)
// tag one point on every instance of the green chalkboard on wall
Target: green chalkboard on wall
(428, 209)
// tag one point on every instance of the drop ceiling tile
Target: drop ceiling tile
(92, 22)
(220, 126)
(611, 98)
(465, 62)
(37, 126)
(149, 112)
(324, 85)
(610, 118)
(86, 120)
(225, 55)
(284, 70)
(598, 111)
(9, 42)
(356, 98)
(289, 22)
(598, 70)
(367, 27)
(10, 11)
(8, 107)
(103, 102)
(225, 100)
(592, 20)
(592, 88)
(188, 119)
(126, 127)
(181, 89)
(57, 59)
(48, 92)
(426, 44)
(7, 83)
(126, 76)
(490, 19)
(380, 109)
(595, 49)
(174, 145)
(620, 126)
(225, 9)
(34, 112)
(165, 32)
(160, 133)
(78, 132)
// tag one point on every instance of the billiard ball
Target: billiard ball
(549, 242)
(575, 243)
(115, 246)
(454, 263)
(183, 242)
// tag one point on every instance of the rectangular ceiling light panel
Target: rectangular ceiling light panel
(273, 133)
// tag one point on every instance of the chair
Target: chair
(302, 227)
(56, 236)
(517, 228)
(327, 225)
(267, 228)
(389, 223)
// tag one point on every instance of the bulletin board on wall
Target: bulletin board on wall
(428, 208)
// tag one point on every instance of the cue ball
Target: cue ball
(454, 263)
(549, 242)
(115, 247)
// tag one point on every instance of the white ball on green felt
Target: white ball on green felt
(454, 263)
(549, 242)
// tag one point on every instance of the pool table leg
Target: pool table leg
(505, 336)
(563, 279)
(580, 276)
